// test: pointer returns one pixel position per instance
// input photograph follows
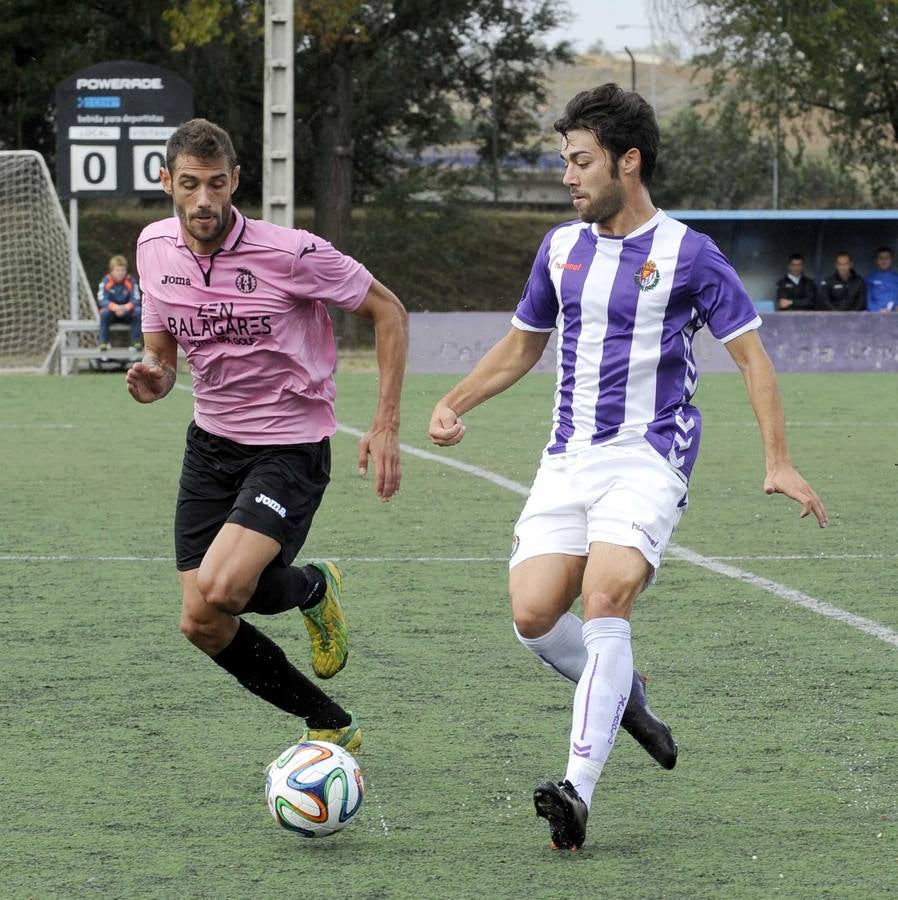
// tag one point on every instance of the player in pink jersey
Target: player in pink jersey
(246, 302)
(627, 287)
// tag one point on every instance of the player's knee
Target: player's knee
(601, 603)
(206, 634)
(222, 591)
(530, 621)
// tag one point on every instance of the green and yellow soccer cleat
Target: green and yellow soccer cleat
(327, 625)
(349, 738)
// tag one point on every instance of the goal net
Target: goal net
(34, 264)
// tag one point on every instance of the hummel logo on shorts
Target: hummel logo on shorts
(273, 504)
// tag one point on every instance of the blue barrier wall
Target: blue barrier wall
(796, 342)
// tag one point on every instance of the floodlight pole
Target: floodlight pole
(277, 131)
(494, 124)
(632, 69)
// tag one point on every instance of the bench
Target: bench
(67, 350)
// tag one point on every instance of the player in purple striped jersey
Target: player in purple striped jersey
(626, 287)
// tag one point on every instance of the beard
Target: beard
(215, 226)
(606, 206)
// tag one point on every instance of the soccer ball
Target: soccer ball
(314, 788)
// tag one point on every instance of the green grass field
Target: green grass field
(132, 767)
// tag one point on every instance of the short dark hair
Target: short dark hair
(202, 139)
(883, 249)
(843, 253)
(796, 256)
(619, 120)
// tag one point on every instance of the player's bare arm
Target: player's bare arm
(505, 363)
(155, 375)
(381, 441)
(760, 381)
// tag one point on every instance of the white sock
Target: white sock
(561, 648)
(599, 701)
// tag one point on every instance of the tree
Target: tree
(503, 79)
(792, 56)
(711, 163)
(378, 81)
(392, 73)
(718, 162)
(38, 51)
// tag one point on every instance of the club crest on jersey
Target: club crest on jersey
(647, 276)
(245, 281)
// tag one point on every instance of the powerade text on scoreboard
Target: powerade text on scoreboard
(112, 122)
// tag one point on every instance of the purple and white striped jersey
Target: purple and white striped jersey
(626, 310)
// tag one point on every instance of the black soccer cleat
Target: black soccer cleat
(565, 811)
(639, 721)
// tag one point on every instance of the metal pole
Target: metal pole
(776, 163)
(495, 125)
(74, 299)
(277, 129)
(654, 99)
(632, 69)
(776, 142)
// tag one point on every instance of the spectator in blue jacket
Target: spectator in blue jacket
(119, 300)
(882, 284)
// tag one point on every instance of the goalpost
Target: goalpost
(35, 264)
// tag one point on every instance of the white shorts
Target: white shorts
(622, 493)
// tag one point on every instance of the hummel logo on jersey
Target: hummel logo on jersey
(272, 504)
(571, 267)
(647, 276)
(310, 249)
(175, 279)
(641, 530)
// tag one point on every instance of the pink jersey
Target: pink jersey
(251, 318)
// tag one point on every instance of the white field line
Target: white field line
(785, 557)
(684, 554)
(492, 477)
(867, 626)
(842, 424)
(16, 425)
(64, 557)
(823, 557)
(13, 557)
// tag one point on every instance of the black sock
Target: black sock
(260, 666)
(286, 587)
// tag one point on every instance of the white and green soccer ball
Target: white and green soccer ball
(314, 788)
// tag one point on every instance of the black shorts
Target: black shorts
(272, 489)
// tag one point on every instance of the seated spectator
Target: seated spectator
(119, 300)
(882, 283)
(844, 289)
(795, 291)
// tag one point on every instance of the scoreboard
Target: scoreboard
(112, 122)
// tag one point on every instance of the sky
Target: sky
(593, 20)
